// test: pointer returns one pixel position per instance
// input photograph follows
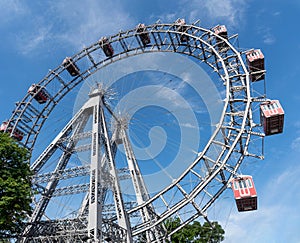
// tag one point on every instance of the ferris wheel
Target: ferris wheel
(116, 167)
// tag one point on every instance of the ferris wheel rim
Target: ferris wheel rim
(97, 66)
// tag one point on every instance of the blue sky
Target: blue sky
(37, 35)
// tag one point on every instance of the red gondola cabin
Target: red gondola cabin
(39, 94)
(70, 66)
(106, 47)
(272, 117)
(220, 30)
(18, 135)
(182, 28)
(244, 193)
(144, 35)
(256, 64)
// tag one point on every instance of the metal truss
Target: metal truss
(215, 165)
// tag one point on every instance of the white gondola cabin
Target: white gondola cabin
(143, 34)
(244, 193)
(182, 28)
(70, 66)
(221, 31)
(272, 117)
(17, 134)
(106, 47)
(38, 93)
(256, 64)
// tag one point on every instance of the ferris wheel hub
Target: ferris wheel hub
(97, 91)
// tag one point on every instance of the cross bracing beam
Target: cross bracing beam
(69, 190)
(77, 137)
(123, 174)
(49, 151)
(72, 230)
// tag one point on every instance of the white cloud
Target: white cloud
(268, 37)
(28, 43)
(58, 24)
(297, 124)
(189, 125)
(229, 12)
(251, 227)
(62, 24)
(85, 22)
(166, 17)
(264, 30)
(167, 95)
(296, 144)
(12, 9)
(212, 12)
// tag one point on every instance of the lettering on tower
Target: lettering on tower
(93, 186)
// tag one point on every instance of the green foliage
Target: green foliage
(194, 232)
(4, 241)
(213, 235)
(15, 186)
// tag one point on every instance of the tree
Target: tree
(211, 234)
(15, 186)
(194, 232)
